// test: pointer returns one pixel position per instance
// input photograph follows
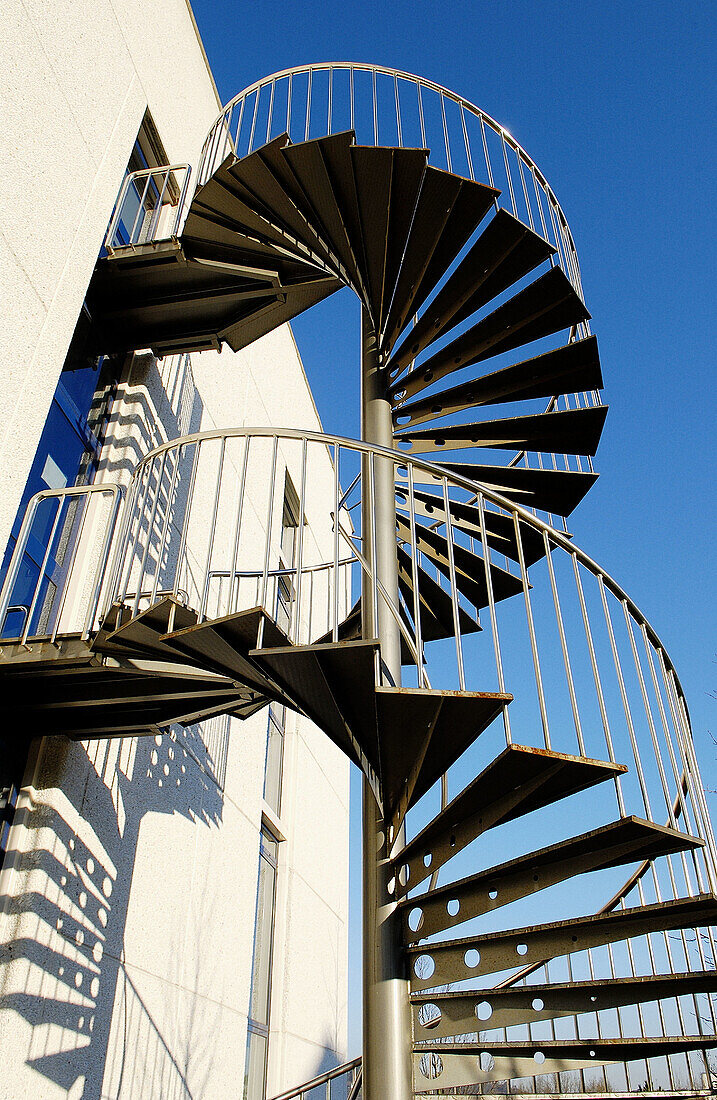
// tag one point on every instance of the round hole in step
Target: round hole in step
(424, 967)
(484, 1010)
(415, 919)
(404, 874)
(592, 1053)
(485, 1062)
(427, 859)
(453, 907)
(472, 958)
(439, 442)
(538, 1004)
(539, 1057)
(405, 418)
(436, 408)
(429, 1015)
(431, 1066)
(405, 443)
(428, 376)
(492, 894)
(521, 949)
(391, 887)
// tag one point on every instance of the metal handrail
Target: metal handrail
(168, 171)
(523, 514)
(219, 140)
(300, 1091)
(61, 495)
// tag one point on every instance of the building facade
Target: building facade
(168, 927)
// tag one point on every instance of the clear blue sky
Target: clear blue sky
(616, 104)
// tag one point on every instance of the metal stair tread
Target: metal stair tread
(447, 212)
(499, 529)
(505, 252)
(627, 840)
(223, 644)
(143, 632)
(435, 604)
(555, 491)
(570, 431)
(348, 721)
(460, 1065)
(516, 1005)
(421, 732)
(518, 781)
(322, 168)
(545, 307)
(387, 183)
(571, 368)
(498, 950)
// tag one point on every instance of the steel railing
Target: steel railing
(69, 567)
(386, 106)
(341, 1083)
(589, 673)
(151, 206)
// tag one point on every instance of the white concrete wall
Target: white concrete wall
(127, 901)
(75, 82)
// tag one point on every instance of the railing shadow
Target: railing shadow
(65, 960)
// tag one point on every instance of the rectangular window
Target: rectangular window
(274, 757)
(260, 996)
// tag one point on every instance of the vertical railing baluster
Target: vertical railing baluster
(212, 530)
(414, 573)
(337, 518)
(271, 111)
(307, 122)
(564, 646)
(625, 701)
(480, 501)
(300, 547)
(269, 521)
(466, 142)
(421, 119)
(165, 526)
(598, 683)
(41, 574)
(150, 528)
(454, 587)
(488, 165)
(531, 632)
(185, 521)
(233, 603)
(253, 120)
(375, 106)
(445, 133)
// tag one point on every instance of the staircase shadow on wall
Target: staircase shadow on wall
(77, 874)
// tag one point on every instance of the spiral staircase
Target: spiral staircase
(468, 307)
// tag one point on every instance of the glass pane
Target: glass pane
(261, 976)
(255, 1068)
(272, 774)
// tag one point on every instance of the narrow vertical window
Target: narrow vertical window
(274, 757)
(257, 1045)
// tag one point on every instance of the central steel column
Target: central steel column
(386, 1008)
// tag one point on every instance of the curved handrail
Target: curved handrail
(436, 471)
(214, 149)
